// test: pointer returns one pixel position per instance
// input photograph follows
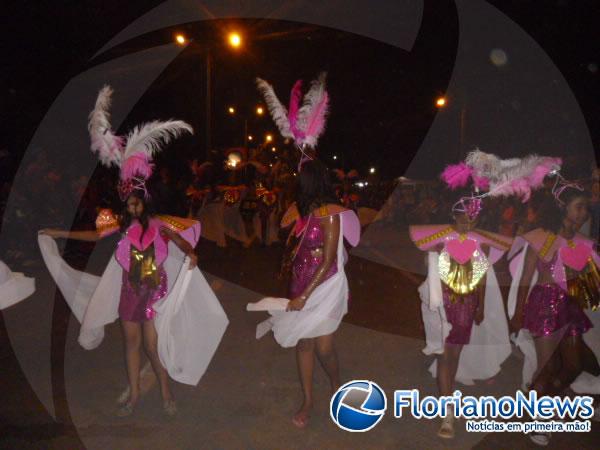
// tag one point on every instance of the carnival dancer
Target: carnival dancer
(318, 290)
(14, 286)
(462, 308)
(147, 284)
(469, 292)
(555, 289)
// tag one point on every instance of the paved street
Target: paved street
(250, 391)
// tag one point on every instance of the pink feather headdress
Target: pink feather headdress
(133, 153)
(304, 121)
(516, 176)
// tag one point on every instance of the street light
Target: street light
(458, 100)
(273, 149)
(334, 157)
(250, 137)
(269, 138)
(372, 170)
(259, 112)
(235, 40)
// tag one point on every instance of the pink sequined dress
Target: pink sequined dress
(460, 313)
(138, 296)
(308, 258)
(548, 308)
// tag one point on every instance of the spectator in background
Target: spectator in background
(165, 195)
(508, 218)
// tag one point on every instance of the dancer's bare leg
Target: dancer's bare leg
(132, 332)
(571, 356)
(151, 349)
(447, 367)
(446, 373)
(329, 360)
(548, 363)
(305, 357)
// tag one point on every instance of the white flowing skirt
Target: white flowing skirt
(190, 321)
(14, 286)
(321, 314)
(489, 344)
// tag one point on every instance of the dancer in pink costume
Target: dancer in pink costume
(555, 289)
(318, 289)
(462, 306)
(147, 284)
(463, 312)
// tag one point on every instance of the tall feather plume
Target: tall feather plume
(295, 98)
(277, 110)
(311, 117)
(150, 137)
(104, 142)
(316, 121)
(515, 176)
(456, 175)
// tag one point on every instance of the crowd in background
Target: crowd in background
(259, 184)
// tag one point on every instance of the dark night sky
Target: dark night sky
(382, 96)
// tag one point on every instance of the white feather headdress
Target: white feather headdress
(303, 123)
(133, 154)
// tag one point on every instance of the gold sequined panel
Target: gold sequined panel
(584, 286)
(547, 245)
(462, 278)
(173, 223)
(494, 239)
(433, 237)
(143, 266)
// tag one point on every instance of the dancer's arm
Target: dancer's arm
(331, 231)
(85, 235)
(516, 323)
(183, 245)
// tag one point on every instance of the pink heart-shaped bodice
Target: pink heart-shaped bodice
(134, 234)
(576, 257)
(461, 252)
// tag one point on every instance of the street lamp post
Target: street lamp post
(442, 102)
(234, 40)
(208, 102)
(259, 112)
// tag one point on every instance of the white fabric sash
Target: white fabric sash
(321, 314)
(190, 321)
(489, 344)
(14, 286)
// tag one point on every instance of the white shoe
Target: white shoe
(446, 431)
(541, 439)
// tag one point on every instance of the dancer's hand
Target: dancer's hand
(516, 323)
(193, 260)
(296, 304)
(52, 232)
(479, 315)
